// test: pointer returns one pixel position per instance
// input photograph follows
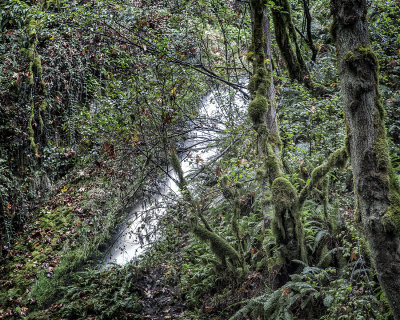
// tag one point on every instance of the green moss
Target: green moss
(32, 25)
(30, 53)
(37, 65)
(41, 109)
(260, 174)
(227, 191)
(30, 71)
(257, 108)
(58, 219)
(286, 225)
(43, 106)
(361, 58)
(367, 52)
(274, 139)
(271, 162)
(391, 219)
(284, 195)
(220, 247)
(43, 84)
(349, 56)
(176, 164)
(337, 159)
(252, 85)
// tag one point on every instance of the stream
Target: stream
(139, 229)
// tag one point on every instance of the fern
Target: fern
(328, 254)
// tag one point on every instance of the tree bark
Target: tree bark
(376, 186)
(286, 39)
(308, 20)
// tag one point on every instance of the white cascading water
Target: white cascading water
(139, 229)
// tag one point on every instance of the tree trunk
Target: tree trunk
(286, 39)
(376, 187)
(286, 223)
(308, 20)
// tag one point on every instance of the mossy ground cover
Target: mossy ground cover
(62, 236)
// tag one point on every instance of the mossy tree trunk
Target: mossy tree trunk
(270, 117)
(285, 34)
(376, 186)
(286, 223)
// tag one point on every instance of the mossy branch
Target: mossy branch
(337, 159)
(219, 246)
(176, 165)
(182, 184)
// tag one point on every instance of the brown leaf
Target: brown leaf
(208, 309)
(24, 310)
(353, 256)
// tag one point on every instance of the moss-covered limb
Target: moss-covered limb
(176, 165)
(337, 159)
(262, 78)
(232, 195)
(195, 207)
(286, 39)
(205, 222)
(262, 109)
(286, 224)
(42, 108)
(219, 246)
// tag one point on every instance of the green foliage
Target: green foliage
(317, 293)
(199, 275)
(106, 294)
(102, 84)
